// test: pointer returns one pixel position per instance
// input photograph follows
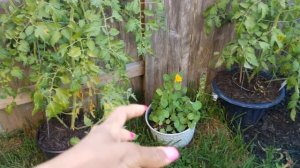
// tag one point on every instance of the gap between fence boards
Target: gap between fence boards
(134, 69)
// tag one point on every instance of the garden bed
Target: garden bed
(276, 130)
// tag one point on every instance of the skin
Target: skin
(108, 145)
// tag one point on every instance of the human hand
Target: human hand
(108, 145)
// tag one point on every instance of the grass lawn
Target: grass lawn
(214, 145)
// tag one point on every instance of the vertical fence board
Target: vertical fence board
(182, 47)
(221, 38)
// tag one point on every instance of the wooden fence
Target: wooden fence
(183, 46)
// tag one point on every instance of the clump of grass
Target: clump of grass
(18, 150)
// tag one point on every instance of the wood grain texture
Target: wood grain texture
(20, 118)
(221, 37)
(183, 46)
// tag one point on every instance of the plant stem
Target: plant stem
(62, 122)
(241, 74)
(74, 102)
(74, 111)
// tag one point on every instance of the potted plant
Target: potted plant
(262, 58)
(62, 48)
(172, 116)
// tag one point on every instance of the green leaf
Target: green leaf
(250, 56)
(66, 33)
(41, 31)
(75, 52)
(131, 25)
(23, 46)
(87, 122)
(196, 105)
(29, 30)
(55, 38)
(53, 109)
(278, 37)
(165, 113)
(190, 116)
(264, 10)
(81, 23)
(296, 66)
(166, 77)
(90, 44)
(17, 72)
(38, 100)
(114, 32)
(177, 86)
(264, 46)
(169, 128)
(293, 114)
(282, 3)
(164, 103)
(61, 97)
(162, 130)
(159, 92)
(117, 15)
(192, 124)
(65, 79)
(249, 23)
(74, 141)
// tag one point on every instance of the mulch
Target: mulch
(277, 130)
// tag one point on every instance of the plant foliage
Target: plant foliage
(63, 46)
(267, 38)
(172, 110)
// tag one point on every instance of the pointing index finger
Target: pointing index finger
(123, 113)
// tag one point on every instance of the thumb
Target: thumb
(155, 156)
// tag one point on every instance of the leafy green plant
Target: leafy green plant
(62, 47)
(172, 110)
(114, 96)
(266, 38)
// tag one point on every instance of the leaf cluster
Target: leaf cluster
(266, 38)
(172, 110)
(61, 47)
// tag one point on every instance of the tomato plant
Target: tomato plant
(66, 45)
(266, 38)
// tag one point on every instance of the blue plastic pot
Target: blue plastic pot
(244, 113)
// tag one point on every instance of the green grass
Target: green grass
(214, 146)
(18, 150)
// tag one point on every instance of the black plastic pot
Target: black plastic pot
(243, 113)
(48, 153)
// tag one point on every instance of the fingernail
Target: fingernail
(146, 107)
(172, 153)
(132, 135)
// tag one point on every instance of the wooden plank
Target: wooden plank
(182, 47)
(134, 69)
(221, 37)
(19, 118)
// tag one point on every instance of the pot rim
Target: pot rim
(165, 134)
(41, 147)
(261, 105)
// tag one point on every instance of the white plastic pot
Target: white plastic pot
(178, 140)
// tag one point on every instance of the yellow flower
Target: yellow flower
(178, 78)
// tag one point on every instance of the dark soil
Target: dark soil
(53, 136)
(279, 131)
(259, 90)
